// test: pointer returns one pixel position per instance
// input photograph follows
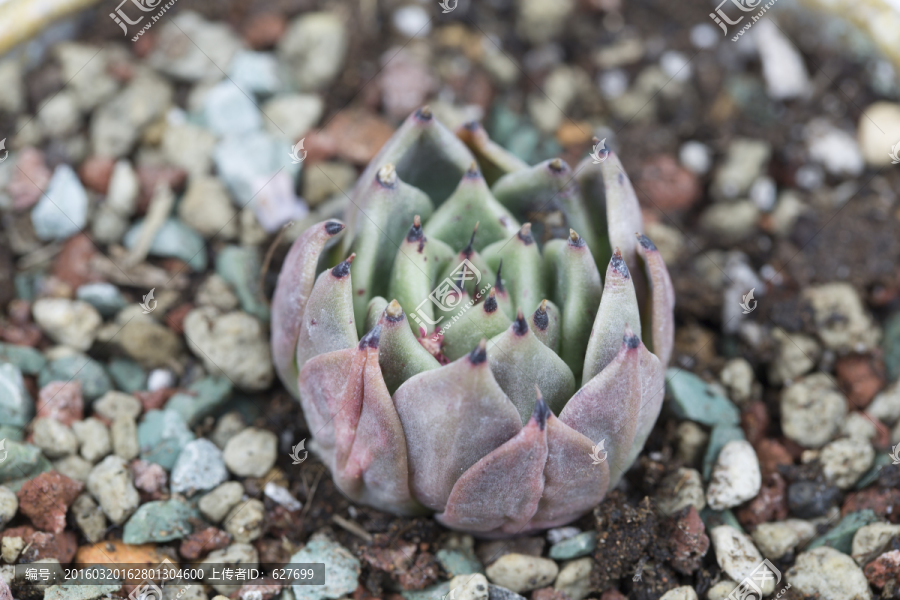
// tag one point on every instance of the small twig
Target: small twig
(312, 491)
(157, 213)
(353, 528)
(268, 260)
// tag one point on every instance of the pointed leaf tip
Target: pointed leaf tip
(387, 175)
(468, 250)
(473, 172)
(333, 227)
(415, 233)
(540, 318)
(394, 312)
(575, 239)
(425, 113)
(371, 339)
(478, 354)
(343, 269)
(631, 341)
(645, 242)
(471, 125)
(618, 264)
(541, 411)
(490, 304)
(498, 285)
(525, 234)
(520, 327)
(556, 165)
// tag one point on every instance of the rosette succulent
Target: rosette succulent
(453, 345)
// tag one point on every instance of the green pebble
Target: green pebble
(437, 591)
(459, 562)
(23, 462)
(240, 266)
(79, 591)
(871, 476)
(160, 521)
(174, 238)
(29, 360)
(161, 436)
(840, 537)
(695, 400)
(343, 569)
(16, 405)
(207, 395)
(713, 518)
(129, 376)
(11, 432)
(891, 346)
(574, 547)
(720, 436)
(93, 377)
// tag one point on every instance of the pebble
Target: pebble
(834, 148)
(720, 435)
(343, 569)
(276, 203)
(776, 540)
(733, 221)
(229, 111)
(840, 537)
(878, 131)
(63, 209)
(105, 297)
(16, 405)
(672, 187)
(808, 499)
(737, 555)
(228, 425)
(886, 405)
(93, 378)
(199, 468)
(55, 439)
(203, 541)
(684, 592)
(830, 574)
(315, 46)
(189, 147)
(70, 322)
(246, 163)
(173, 239)
(282, 496)
(149, 343)
(74, 467)
(80, 591)
(128, 375)
(234, 343)
(240, 267)
(256, 73)
(736, 477)
(469, 587)
(89, 518)
(574, 579)
(111, 484)
(159, 521)
(94, 438)
(411, 21)
(251, 453)
(738, 378)
(326, 179)
(796, 355)
(782, 64)
(884, 571)
(162, 435)
(680, 489)
(696, 157)
(812, 410)
(558, 534)
(207, 209)
(115, 404)
(841, 320)
(219, 502)
(215, 292)
(457, 562)
(124, 188)
(521, 573)
(22, 461)
(123, 432)
(9, 504)
(159, 379)
(244, 555)
(693, 399)
(190, 48)
(844, 461)
(872, 539)
(293, 115)
(46, 499)
(29, 360)
(575, 546)
(246, 520)
(202, 398)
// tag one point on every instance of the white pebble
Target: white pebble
(160, 379)
(871, 539)
(764, 192)
(704, 36)
(555, 536)
(684, 592)
(412, 21)
(696, 157)
(782, 64)
(613, 83)
(844, 461)
(676, 65)
(282, 496)
(830, 574)
(735, 478)
(737, 555)
(521, 573)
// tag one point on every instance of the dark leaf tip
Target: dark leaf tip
(333, 227)
(645, 242)
(618, 264)
(425, 113)
(478, 355)
(415, 232)
(343, 269)
(540, 318)
(371, 339)
(520, 326)
(541, 411)
(498, 284)
(631, 341)
(490, 304)
(576, 240)
(525, 234)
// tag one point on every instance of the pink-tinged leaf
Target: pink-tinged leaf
(608, 406)
(623, 213)
(370, 460)
(452, 417)
(662, 300)
(323, 381)
(500, 493)
(295, 283)
(573, 483)
(653, 382)
(328, 322)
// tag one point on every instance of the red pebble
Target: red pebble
(61, 400)
(667, 185)
(46, 499)
(73, 263)
(548, 593)
(769, 505)
(202, 542)
(688, 541)
(148, 477)
(771, 454)
(884, 569)
(41, 544)
(884, 502)
(861, 377)
(96, 171)
(755, 421)
(264, 30)
(175, 317)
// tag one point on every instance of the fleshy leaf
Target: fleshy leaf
(467, 269)
(577, 290)
(374, 311)
(484, 320)
(623, 213)
(618, 310)
(328, 322)
(653, 381)
(295, 283)
(452, 417)
(662, 302)
(391, 205)
(502, 491)
(370, 456)
(608, 406)
(495, 160)
(400, 353)
(471, 203)
(523, 272)
(503, 299)
(520, 363)
(412, 280)
(546, 324)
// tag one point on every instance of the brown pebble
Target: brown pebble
(861, 377)
(42, 544)
(262, 31)
(667, 186)
(884, 569)
(73, 263)
(687, 540)
(424, 572)
(29, 178)
(61, 400)
(548, 593)
(755, 421)
(175, 317)
(883, 502)
(151, 175)
(202, 542)
(771, 455)
(46, 499)
(148, 477)
(769, 505)
(96, 171)
(358, 134)
(613, 595)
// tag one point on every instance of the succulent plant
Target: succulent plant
(466, 358)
